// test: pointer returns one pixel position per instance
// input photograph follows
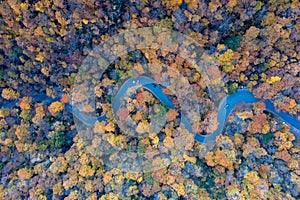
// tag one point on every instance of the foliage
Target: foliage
(43, 46)
(232, 88)
(9, 93)
(55, 107)
(233, 42)
(57, 140)
(164, 23)
(226, 61)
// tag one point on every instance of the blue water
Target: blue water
(225, 108)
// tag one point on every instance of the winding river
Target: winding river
(225, 108)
